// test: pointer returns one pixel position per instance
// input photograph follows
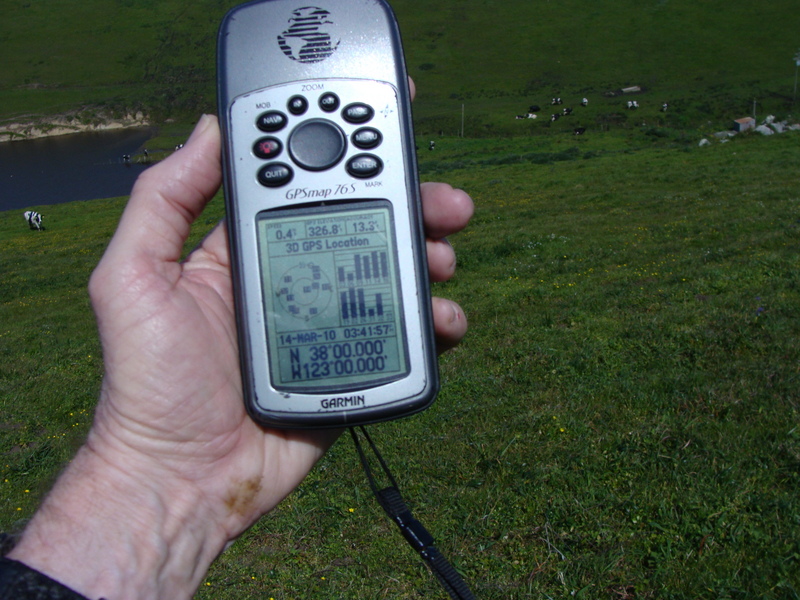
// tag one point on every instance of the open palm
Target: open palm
(171, 399)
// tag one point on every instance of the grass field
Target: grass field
(710, 60)
(621, 422)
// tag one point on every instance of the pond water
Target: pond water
(80, 166)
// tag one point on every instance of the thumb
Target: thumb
(169, 196)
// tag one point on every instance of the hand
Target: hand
(173, 468)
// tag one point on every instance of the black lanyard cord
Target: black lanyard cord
(416, 535)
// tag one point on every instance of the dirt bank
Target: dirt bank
(14, 130)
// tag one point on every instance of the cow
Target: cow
(664, 107)
(566, 111)
(34, 220)
(554, 117)
(534, 108)
(431, 145)
(579, 131)
(585, 102)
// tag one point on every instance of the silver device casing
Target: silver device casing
(256, 72)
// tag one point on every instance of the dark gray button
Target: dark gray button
(275, 175)
(329, 102)
(366, 138)
(364, 166)
(268, 147)
(271, 121)
(317, 144)
(297, 105)
(358, 112)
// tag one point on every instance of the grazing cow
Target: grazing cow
(585, 102)
(664, 107)
(554, 117)
(534, 108)
(532, 116)
(633, 105)
(579, 131)
(34, 220)
(431, 145)
(566, 111)
(555, 101)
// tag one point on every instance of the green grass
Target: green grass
(710, 60)
(621, 421)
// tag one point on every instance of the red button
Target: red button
(267, 148)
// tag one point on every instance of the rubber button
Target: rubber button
(364, 166)
(271, 121)
(317, 144)
(329, 102)
(297, 105)
(268, 148)
(275, 175)
(358, 112)
(366, 138)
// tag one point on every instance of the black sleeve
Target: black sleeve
(19, 582)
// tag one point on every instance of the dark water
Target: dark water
(80, 166)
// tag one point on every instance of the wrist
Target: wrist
(110, 530)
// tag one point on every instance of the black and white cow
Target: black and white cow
(34, 220)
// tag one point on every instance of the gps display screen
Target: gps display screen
(332, 304)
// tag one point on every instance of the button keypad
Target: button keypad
(267, 148)
(271, 121)
(318, 143)
(329, 102)
(357, 112)
(297, 105)
(364, 166)
(275, 175)
(367, 138)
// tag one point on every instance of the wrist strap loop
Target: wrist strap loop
(415, 533)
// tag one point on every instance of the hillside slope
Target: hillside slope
(711, 57)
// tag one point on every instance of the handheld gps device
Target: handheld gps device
(324, 216)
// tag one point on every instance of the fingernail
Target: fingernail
(456, 313)
(202, 124)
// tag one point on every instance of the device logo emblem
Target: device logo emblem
(309, 38)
